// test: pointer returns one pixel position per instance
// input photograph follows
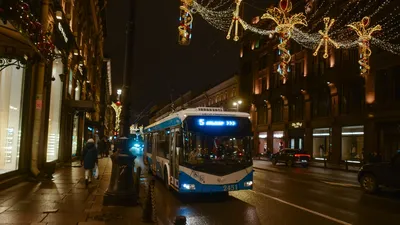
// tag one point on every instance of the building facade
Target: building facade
(50, 81)
(324, 107)
(224, 95)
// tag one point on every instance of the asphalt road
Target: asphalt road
(284, 195)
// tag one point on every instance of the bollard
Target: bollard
(149, 210)
(121, 190)
(324, 162)
(347, 166)
(180, 220)
(137, 179)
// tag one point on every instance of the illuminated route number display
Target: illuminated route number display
(216, 123)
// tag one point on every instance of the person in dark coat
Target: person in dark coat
(101, 146)
(90, 160)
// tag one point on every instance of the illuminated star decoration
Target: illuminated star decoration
(284, 27)
(185, 22)
(117, 109)
(364, 37)
(325, 40)
(235, 21)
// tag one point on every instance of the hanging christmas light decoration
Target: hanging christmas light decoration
(364, 36)
(235, 21)
(325, 40)
(284, 27)
(185, 22)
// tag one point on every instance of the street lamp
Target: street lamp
(119, 92)
(237, 104)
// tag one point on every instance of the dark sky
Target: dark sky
(160, 64)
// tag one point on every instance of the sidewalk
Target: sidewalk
(65, 201)
(320, 164)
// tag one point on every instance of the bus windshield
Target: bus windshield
(218, 155)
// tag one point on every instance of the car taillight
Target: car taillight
(299, 155)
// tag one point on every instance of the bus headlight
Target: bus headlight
(189, 186)
(248, 183)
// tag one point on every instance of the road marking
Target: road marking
(304, 209)
(341, 184)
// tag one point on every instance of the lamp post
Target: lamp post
(237, 104)
(119, 92)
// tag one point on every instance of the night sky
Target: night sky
(160, 64)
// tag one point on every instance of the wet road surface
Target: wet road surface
(284, 195)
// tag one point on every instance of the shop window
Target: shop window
(70, 80)
(322, 143)
(75, 135)
(11, 92)
(352, 143)
(53, 139)
(278, 141)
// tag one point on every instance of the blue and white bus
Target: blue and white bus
(201, 150)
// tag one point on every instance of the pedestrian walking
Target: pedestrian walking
(90, 160)
(101, 146)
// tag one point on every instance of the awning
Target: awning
(13, 43)
(82, 105)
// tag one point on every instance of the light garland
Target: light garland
(117, 109)
(364, 37)
(325, 40)
(235, 21)
(218, 13)
(186, 21)
(284, 26)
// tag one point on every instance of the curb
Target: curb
(315, 166)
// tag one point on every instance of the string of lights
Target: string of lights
(221, 15)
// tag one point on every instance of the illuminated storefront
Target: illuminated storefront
(54, 127)
(262, 138)
(322, 142)
(11, 92)
(352, 143)
(278, 141)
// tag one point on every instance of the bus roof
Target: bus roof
(177, 118)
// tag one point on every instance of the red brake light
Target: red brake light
(299, 155)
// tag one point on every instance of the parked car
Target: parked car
(291, 157)
(372, 176)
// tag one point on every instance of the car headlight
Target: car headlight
(189, 186)
(248, 183)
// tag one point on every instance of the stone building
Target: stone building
(50, 81)
(325, 107)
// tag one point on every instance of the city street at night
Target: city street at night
(200, 112)
(286, 196)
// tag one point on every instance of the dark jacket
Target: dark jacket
(89, 156)
(101, 146)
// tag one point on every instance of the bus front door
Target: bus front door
(172, 154)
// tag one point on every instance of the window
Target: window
(322, 143)
(11, 92)
(163, 144)
(322, 103)
(70, 80)
(53, 138)
(277, 111)
(262, 115)
(263, 84)
(246, 68)
(263, 62)
(352, 142)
